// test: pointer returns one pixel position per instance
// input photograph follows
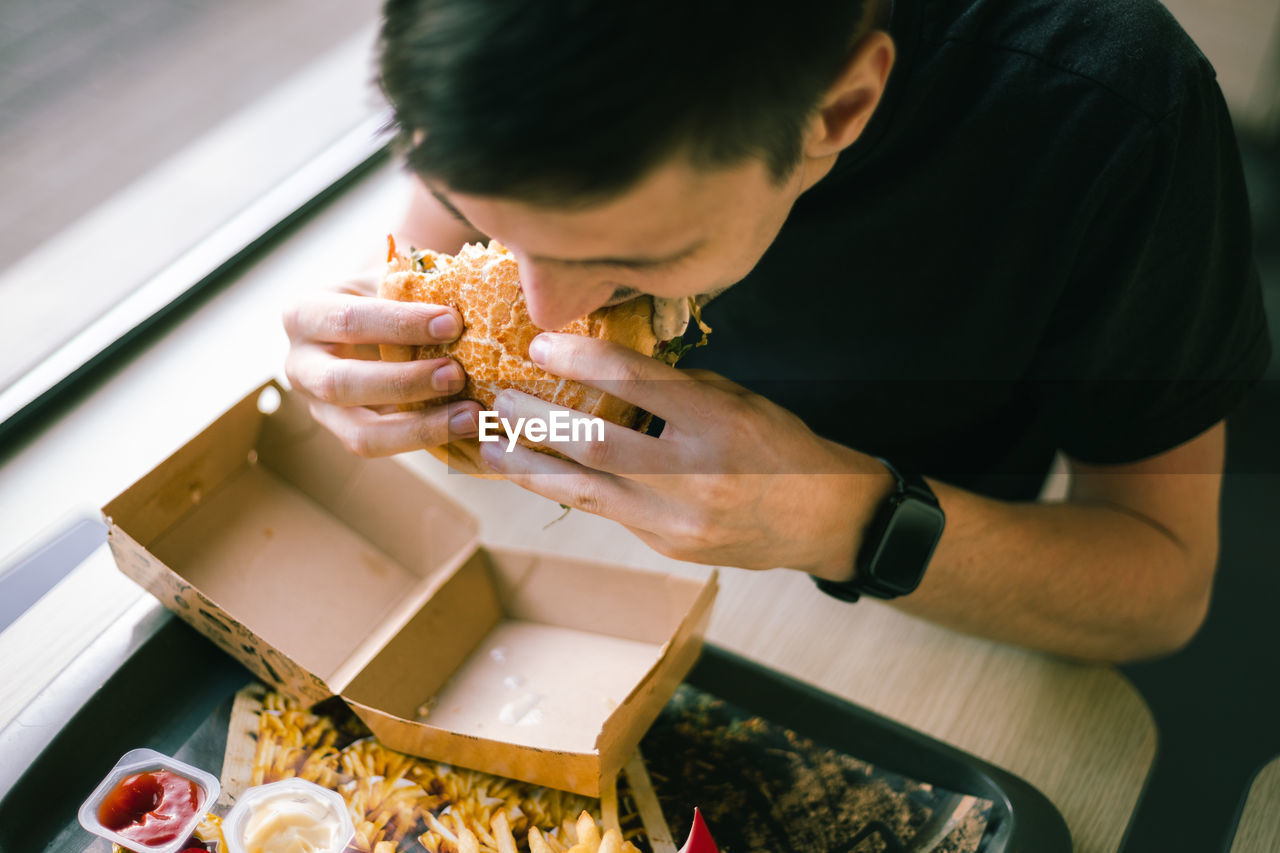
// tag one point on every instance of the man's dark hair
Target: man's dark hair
(575, 100)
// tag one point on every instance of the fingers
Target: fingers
(593, 442)
(568, 483)
(317, 372)
(348, 319)
(646, 382)
(332, 336)
(710, 377)
(369, 433)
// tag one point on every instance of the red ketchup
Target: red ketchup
(151, 808)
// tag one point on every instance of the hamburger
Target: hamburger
(483, 285)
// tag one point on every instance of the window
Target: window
(133, 130)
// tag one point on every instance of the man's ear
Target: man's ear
(847, 106)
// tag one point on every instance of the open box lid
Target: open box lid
(265, 506)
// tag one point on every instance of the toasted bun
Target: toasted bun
(482, 283)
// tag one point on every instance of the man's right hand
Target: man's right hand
(333, 362)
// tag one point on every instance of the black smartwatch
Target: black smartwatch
(897, 544)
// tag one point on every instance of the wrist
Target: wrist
(897, 545)
(850, 508)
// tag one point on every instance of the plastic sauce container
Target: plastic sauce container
(292, 816)
(149, 802)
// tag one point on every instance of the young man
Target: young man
(946, 239)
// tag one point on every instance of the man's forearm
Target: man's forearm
(1085, 580)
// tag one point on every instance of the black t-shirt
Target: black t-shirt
(1040, 242)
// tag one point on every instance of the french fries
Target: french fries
(582, 837)
(400, 803)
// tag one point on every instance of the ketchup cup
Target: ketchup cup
(148, 804)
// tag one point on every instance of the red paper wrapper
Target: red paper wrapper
(699, 837)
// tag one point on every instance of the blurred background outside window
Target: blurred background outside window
(132, 129)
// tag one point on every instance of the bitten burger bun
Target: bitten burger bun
(482, 284)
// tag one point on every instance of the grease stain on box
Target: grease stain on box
(562, 681)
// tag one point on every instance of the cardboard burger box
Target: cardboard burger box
(326, 574)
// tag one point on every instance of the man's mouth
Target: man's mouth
(621, 295)
(626, 294)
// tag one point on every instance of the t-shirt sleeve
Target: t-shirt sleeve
(1160, 330)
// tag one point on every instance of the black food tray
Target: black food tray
(174, 694)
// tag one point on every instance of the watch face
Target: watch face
(907, 543)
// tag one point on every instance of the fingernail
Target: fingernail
(503, 402)
(444, 328)
(447, 378)
(539, 349)
(463, 424)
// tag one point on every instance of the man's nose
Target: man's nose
(556, 297)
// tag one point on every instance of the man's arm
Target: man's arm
(1121, 570)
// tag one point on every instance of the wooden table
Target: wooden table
(1081, 734)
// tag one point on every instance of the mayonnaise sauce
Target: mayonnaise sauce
(293, 822)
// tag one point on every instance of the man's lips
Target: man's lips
(626, 294)
(621, 295)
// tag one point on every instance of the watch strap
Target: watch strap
(906, 484)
